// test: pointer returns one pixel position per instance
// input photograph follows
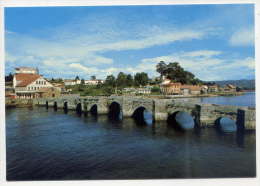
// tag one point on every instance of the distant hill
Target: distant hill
(243, 83)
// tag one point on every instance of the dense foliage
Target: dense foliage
(9, 77)
(176, 73)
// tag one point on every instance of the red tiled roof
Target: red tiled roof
(26, 79)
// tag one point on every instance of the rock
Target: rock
(184, 120)
(227, 125)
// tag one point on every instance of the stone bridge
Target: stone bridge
(161, 109)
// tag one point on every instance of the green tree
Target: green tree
(110, 81)
(121, 79)
(9, 77)
(161, 68)
(93, 77)
(129, 80)
(141, 79)
(82, 82)
(176, 73)
(77, 78)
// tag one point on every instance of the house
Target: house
(190, 89)
(144, 90)
(69, 82)
(129, 91)
(213, 88)
(169, 88)
(134, 91)
(204, 89)
(29, 85)
(93, 82)
(230, 88)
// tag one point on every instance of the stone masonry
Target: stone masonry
(161, 109)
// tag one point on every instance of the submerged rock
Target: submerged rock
(184, 120)
(227, 125)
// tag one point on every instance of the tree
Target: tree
(77, 78)
(176, 73)
(9, 77)
(129, 80)
(110, 81)
(121, 79)
(82, 82)
(141, 79)
(93, 77)
(161, 67)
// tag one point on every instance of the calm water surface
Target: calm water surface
(47, 145)
(248, 99)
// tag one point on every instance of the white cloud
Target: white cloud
(150, 41)
(83, 53)
(205, 64)
(202, 53)
(10, 58)
(243, 37)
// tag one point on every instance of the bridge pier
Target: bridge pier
(160, 110)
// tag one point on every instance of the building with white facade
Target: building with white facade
(30, 85)
(93, 82)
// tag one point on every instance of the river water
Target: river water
(248, 99)
(51, 145)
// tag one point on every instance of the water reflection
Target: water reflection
(100, 147)
(248, 99)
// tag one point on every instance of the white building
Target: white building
(29, 85)
(94, 82)
(68, 82)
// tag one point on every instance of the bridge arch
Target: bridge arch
(55, 105)
(114, 110)
(226, 124)
(79, 108)
(93, 109)
(65, 106)
(142, 115)
(181, 120)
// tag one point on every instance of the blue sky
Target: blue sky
(215, 42)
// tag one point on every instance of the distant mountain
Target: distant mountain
(243, 83)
